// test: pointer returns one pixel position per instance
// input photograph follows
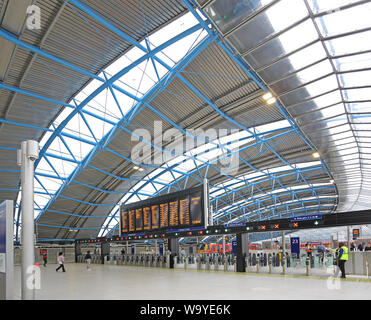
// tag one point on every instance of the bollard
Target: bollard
(270, 264)
(283, 264)
(307, 262)
(185, 262)
(258, 267)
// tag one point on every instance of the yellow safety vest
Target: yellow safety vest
(344, 256)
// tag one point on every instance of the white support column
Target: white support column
(283, 253)
(223, 244)
(26, 156)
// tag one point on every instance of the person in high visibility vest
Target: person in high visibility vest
(342, 257)
(309, 249)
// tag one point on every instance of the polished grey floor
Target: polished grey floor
(135, 283)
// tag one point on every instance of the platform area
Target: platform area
(137, 283)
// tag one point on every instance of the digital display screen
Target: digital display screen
(184, 217)
(155, 217)
(169, 211)
(147, 218)
(164, 215)
(124, 222)
(138, 220)
(131, 220)
(173, 217)
(196, 209)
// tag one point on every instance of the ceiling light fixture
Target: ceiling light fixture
(315, 155)
(267, 96)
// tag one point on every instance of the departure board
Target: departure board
(131, 220)
(164, 215)
(196, 209)
(138, 220)
(173, 214)
(124, 221)
(182, 209)
(155, 217)
(147, 218)
(184, 218)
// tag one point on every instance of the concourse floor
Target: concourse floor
(138, 283)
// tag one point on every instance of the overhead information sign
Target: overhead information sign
(179, 210)
(308, 217)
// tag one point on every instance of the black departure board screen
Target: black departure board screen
(184, 218)
(138, 220)
(173, 214)
(196, 209)
(131, 220)
(182, 209)
(147, 218)
(164, 215)
(124, 222)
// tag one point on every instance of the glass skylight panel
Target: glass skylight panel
(362, 94)
(340, 22)
(286, 43)
(318, 6)
(267, 24)
(307, 75)
(296, 61)
(362, 107)
(179, 49)
(360, 118)
(353, 62)
(350, 44)
(227, 14)
(172, 29)
(314, 89)
(356, 79)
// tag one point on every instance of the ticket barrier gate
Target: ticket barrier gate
(218, 265)
(198, 262)
(165, 261)
(96, 259)
(191, 262)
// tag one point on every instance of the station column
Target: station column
(77, 250)
(173, 247)
(105, 250)
(242, 251)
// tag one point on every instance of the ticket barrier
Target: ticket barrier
(147, 260)
(141, 260)
(96, 259)
(191, 262)
(208, 262)
(153, 260)
(218, 265)
(198, 262)
(164, 261)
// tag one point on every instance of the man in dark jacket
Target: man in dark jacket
(88, 260)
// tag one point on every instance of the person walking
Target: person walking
(88, 260)
(45, 258)
(343, 256)
(321, 250)
(361, 246)
(60, 261)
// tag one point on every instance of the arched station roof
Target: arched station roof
(96, 72)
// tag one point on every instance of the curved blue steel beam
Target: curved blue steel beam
(77, 2)
(242, 63)
(98, 148)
